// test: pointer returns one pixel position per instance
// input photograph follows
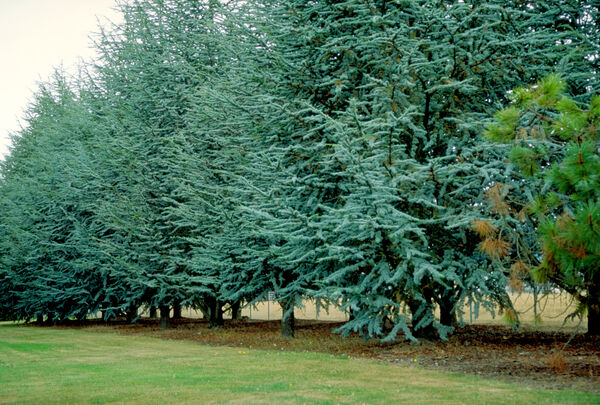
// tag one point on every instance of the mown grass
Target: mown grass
(48, 365)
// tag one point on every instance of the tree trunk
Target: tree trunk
(220, 313)
(424, 332)
(220, 319)
(448, 312)
(235, 310)
(448, 317)
(132, 312)
(177, 310)
(593, 305)
(40, 319)
(152, 312)
(594, 320)
(215, 318)
(164, 317)
(288, 320)
(82, 316)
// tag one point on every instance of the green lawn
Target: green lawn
(46, 365)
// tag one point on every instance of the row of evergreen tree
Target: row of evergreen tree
(326, 150)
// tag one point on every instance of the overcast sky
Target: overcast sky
(35, 37)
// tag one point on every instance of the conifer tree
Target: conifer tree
(555, 146)
(325, 150)
(158, 73)
(137, 78)
(47, 207)
(159, 190)
(373, 149)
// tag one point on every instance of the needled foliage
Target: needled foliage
(556, 147)
(149, 74)
(372, 152)
(218, 152)
(50, 262)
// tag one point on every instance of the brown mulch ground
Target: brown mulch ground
(543, 360)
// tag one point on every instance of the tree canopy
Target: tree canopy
(556, 146)
(332, 151)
